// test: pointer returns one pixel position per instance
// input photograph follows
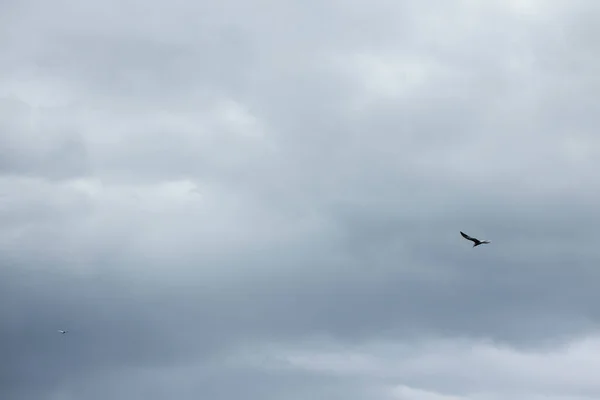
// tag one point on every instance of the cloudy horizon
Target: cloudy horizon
(262, 200)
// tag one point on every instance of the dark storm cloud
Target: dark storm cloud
(182, 181)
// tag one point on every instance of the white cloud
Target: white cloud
(407, 393)
(452, 370)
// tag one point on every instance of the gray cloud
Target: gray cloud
(214, 198)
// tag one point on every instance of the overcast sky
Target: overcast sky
(261, 200)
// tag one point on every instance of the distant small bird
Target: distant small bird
(476, 242)
(63, 332)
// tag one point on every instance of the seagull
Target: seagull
(476, 242)
(63, 332)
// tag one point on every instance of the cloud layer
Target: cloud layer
(262, 201)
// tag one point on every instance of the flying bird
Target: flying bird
(63, 332)
(476, 242)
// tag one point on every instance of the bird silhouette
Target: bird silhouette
(476, 242)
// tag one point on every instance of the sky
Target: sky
(262, 200)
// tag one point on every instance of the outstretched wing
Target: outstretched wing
(467, 237)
